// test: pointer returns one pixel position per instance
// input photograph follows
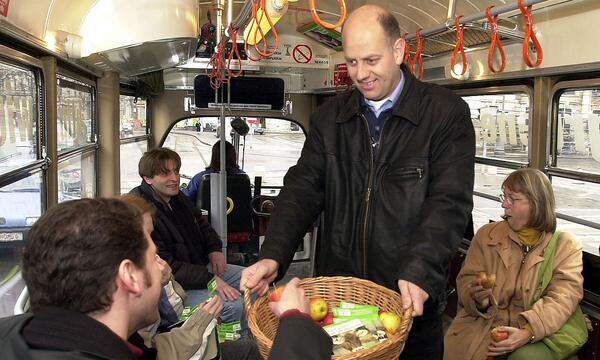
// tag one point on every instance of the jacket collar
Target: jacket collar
(64, 330)
(406, 106)
(501, 233)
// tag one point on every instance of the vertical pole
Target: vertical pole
(451, 10)
(49, 68)
(540, 121)
(109, 158)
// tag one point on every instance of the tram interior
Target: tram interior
(87, 87)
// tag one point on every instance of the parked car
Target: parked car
(126, 129)
(258, 131)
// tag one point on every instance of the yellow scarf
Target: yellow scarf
(529, 236)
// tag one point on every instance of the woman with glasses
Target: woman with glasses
(497, 283)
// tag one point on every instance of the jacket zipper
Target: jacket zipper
(526, 252)
(410, 171)
(369, 187)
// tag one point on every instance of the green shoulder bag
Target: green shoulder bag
(567, 340)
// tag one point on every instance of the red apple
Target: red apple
(318, 309)
(486, 280)
(498, 335)
(276, 294)
(328, 319)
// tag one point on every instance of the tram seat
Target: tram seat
(22, 304)
(239, 221)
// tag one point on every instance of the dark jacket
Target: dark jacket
(182, 237)
(393, 211)
(59, 334)
(191, 191)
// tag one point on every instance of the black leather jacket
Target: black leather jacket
(394, 211)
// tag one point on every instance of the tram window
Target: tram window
(131, 153)
(74, 113)
(132, 116)
(271, 147)
(484, 210)
(578, 129)
(501, 123)
(77, 177)
(20, 207)
(18, 129)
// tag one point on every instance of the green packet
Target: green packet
(230, 327)
(367, 319)
(187, 312)
(339, 312)
(228, 336)
(349, 305)
(212, 286)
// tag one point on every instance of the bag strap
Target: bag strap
(546, 268)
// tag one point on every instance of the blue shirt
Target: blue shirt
(375, 109)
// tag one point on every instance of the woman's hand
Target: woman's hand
(213, 306)
(480, 295)
(516, 338)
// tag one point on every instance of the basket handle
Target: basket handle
(406, 322)
(247, 303)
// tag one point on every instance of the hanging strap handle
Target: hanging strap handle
(494, 42)
(530, 36)
(417, 57)
(324, 24)
(459, 48)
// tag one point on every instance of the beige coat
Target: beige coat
(496, 249)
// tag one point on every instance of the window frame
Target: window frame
(40, 164)
(508, 164)
(551, 167)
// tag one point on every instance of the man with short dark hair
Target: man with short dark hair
(184, 239)
(94, 280)
(391, 165)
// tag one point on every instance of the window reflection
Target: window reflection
(74, 114)
(77, 177)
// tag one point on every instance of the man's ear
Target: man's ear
(147, 180)
(399, 47)
(130, 277)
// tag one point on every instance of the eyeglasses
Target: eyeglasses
(511, 200)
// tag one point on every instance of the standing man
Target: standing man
(391, 164)
(185, 241)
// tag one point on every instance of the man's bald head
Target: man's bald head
(367, 14)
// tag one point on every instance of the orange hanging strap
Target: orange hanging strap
(216, 73)
(406, 58)
(255, 5)
(417, 57)
(265, 53)
(234, 49)
(494, 42)
(459, 47)
(530, 36)
(326, 25)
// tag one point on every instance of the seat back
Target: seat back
(239, 220)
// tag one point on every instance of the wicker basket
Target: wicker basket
(263, 323)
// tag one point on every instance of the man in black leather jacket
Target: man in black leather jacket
(391, 165)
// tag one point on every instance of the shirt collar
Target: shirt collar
(381, 105)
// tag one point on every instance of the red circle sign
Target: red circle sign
(302, 54)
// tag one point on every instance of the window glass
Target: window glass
(131, 154)
(578, 130)
(77, 177)
(501, 125)
(271, 147)
(20, 207)
(75, 113)
(18, 125)
(133, 116)
(485, 210)
(489, 178)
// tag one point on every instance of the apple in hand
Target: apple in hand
(318, 309)
(498, 335)
(390, 322)
(487, 280)
(276, 294)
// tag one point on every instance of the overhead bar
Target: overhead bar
(497, 10)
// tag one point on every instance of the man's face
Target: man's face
(373, 62)
(167, 184)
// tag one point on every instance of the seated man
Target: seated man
(184, 240)
(93, 280)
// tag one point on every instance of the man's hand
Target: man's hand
(257, 277)
(516, 338)
(226, 291)
(293, 297)
(213, 306)
(480, 295)
(165, 270)
(412, 295)
(218, 262)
